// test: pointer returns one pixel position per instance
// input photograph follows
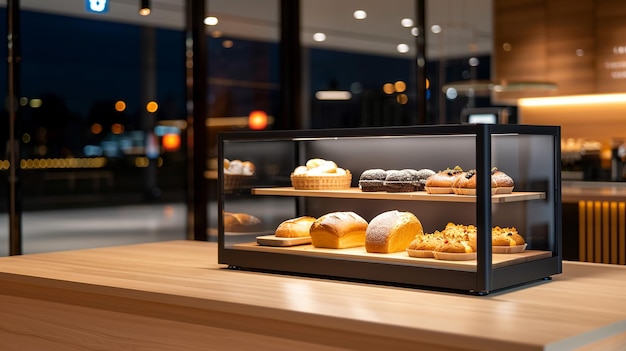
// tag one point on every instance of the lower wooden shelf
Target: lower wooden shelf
(498, 260)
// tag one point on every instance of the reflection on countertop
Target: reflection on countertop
(574, 191)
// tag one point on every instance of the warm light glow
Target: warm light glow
(211, 21)
(257, 120)
(399, 86)
(574, 100)
(427, 83)
(144, 11)
(319, 37)
(388, 88)
(227, 44)
(171, 142)
(402, 48)
(120, 106)
(96, 128)
(406, 22)
(35, 103)
(142, 162)
(117, 128)
(360, 14)
(402, 99)
(152, 107)
(333, 95)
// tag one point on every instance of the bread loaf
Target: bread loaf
(392, 231)
(295, 227)
(338, 230)
(241, 222)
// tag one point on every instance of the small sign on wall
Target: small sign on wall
(97, 6)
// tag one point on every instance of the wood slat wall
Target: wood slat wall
(602, 231)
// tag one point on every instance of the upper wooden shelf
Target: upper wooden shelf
(356, 193)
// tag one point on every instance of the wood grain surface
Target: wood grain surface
(173, 296)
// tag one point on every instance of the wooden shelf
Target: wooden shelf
(356, 193)
(359, 253)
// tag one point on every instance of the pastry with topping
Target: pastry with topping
(441, 182)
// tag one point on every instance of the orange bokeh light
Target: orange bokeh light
(257, 120)
(171, 142)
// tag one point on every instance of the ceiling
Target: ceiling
(466, 24)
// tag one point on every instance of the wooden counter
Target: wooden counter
(574, 191)
(173, 296)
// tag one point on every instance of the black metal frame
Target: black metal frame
(483, 281)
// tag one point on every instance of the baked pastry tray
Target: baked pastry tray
(400, 258)
(356, 193)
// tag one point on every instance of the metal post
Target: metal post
(290, 66)
(13, 59)
(196, 78)
(420, 59)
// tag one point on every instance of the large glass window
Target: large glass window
(101, 126)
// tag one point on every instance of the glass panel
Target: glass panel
(244, 77)
(102, 129)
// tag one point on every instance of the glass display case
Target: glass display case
(529, 154)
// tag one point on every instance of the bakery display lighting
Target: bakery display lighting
(211, 21)
(574, 100)
(144, 8)
(360, 14)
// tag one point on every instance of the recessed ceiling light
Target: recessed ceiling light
(211, 21)
(402, 48)
(406, 22)
(415, 31)
(435, 28)
(319, 36)
(360, 14)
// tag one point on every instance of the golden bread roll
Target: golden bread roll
(295, 227)
(441, 182)
(426, 241)
(241, 222)
(506, 237)
(392, 231)
(465, 183)
(455, 246)
(338, 230)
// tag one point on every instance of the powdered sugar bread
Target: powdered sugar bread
(392, 231)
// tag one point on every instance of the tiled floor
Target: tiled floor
(57, 230)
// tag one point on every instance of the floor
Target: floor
(59, 230)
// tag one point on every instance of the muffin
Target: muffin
(372, 180)
(421, 176)
(400, 181)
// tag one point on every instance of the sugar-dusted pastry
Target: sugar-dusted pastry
(504, 183)
(420, 178)
(400, 181)
(391, 231)
(372, 180)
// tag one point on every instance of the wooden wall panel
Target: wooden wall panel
(579, 45)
